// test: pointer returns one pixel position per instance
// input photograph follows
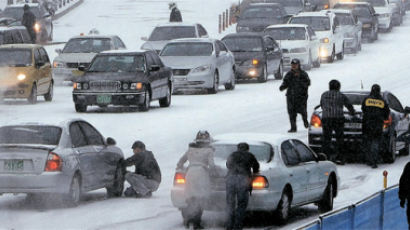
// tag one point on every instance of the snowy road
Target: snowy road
(167, 131)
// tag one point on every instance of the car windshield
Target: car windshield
(244, 44)
(26, 134)
(262, 152)
(317, 23)
(376, 3)
(87, 45)
(261, 12)
(15, 57)
(17, 12)
(287, 3)
(359, 11)
(287, 33)
(188, 49)
(165, 33)
(345, 19)
(356, 99)
(117, 63)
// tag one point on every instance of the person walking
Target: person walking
(297, 82)
(239, 184)
(200, 156)
(333, 119)
(147, 175)
(175, 15)
(404, 190)
(29, 20)
(375, 110)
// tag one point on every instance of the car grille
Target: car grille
(75, 65)
(105, 85)
(180, 72)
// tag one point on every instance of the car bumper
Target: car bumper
(350, 43)
(325, 50)
(196, 81)
(248, 72)
(47, 182)
(384, 22)
(85, 98)
(22, 90)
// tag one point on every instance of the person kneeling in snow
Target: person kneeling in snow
(147, 176)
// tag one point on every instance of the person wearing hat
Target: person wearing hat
(29, 20)
(147, 175)
(175, 15)
(375, 111)
(241, 165)
(200, 156)
(297, 82)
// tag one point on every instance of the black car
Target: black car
(256, 56)
(396, 126)
(123, 78)
(366, 15)
(318, 5)
(256, 17)
(291, 6)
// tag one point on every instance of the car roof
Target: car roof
(63, 123)
(353, 3)
(273, 139)
(259, 4)
(211, 40)
(21, 5)
(125, 51)
(96, 36)
(339, 11)
(287, 26)
(246, 34)
(168, 24)
(20, 46)
(312, 14)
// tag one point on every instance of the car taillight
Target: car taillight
(387, 122)
(315, 121)
(259, 182)
(179, 178)
(53, 163)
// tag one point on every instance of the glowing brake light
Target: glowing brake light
(53, 163)
(315, 121)
(387, 122)
(326, 6)
(179, 178)
(259, 182)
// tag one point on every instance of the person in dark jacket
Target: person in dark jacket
(375, 110)
(238, 184)
(29, 20)
(147, 175)
(175, 15)
(297, 82)
(404, 190)
(333, 119)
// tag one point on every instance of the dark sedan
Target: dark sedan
(396, 126)
(124, 78)
(256, 56)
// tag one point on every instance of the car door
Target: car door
(314, 43)
(338, 35)
(224, 63)
(40, 66)
(163, 74)
(273, 54)
(403, 121)
(153, 76)
(46, 78)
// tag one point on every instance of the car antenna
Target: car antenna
(361, 84)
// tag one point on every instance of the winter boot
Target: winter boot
(129, 192)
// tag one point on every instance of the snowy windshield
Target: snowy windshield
(357, 10)
(188, 49)
(87, 45)
(165, 33)
(244, 44)
(43, 135)
(286, 3)
(117, 63)
(356, 99)
(376, 3)
(17, 12)
(261, 12)
(317, 23)
(345, 19)
(262, 152)
(287, 33)
(15, 57)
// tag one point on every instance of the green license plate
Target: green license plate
(103, 99)
(14, 165)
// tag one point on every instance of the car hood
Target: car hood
(75, 57)
(154, 45)
(8, 75)
(110, 76)
(259, 22)
(244, 56)
(289, 44)
(186, 62)
(382, 10)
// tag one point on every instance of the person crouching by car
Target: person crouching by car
(147, 175)
(200, 156)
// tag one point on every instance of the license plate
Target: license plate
(353, 125)
(14, 165)
(103, 99)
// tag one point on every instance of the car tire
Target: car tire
(341, 55)
(118, 185)
(316, 63)
(72, 199)
(49, 95)
(147, 102)
(80, 108)
(279, 73)
(359, 48)
(331, 59)
(389, 29)
(283, 208)
(32, 99)
(215, 85)
(326, 203)
(231, 84)
(264, 76)
(166, 101)
(376, 35)
(405, 151)
(390, 150)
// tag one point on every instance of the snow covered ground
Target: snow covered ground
(167, 131)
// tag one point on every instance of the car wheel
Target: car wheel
(215, 84)
(147, 102)
(279, 73)
(389, 29)
(359, 48)
(341, 55)
(326, 203)
(390, 150)
(316, 63)
(231, 84)
(283, 208)
(331, 59)
(376, 34)
(405, 151)
(49, 95)
(264, 76)
(32, 99)
(118, 185)
(166, 101)
(73, 197)
(80, 108)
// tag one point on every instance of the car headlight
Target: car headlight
(201, 69)
(77, 85)
(298, 50)
(137, 85)
(58, 64)
(21, 77)
(242, 28)
(37, 27)
(324, 40)
(367, 25)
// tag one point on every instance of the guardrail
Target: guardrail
(380, 211)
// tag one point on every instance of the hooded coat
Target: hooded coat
(175, 15)
(375, 110)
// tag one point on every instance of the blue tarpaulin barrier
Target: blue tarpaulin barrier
(394, 216)
(337, 221)
(368, 215)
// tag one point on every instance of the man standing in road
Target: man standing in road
(29, 20)
(238, 184)
(404, 190)
(333, 119)
(175, 13)
(296, 82)
(375, 110)
(147, 176)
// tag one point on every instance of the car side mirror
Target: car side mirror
(81, 68)
(110, 141)
(321, 157)
(154, 68)
(39, 64)
(144, 38)
(59, 51)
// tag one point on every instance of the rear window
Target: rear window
(15, 57)
(42, 135)
(244, 44)
(262, 151)
(356, 99)
(165, 33)
(188, 49)
(317, 23)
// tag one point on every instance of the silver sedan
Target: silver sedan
(291, 175)
(66, 159)
(200, 64)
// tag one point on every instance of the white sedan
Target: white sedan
(291, 175)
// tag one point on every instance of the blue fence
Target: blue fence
(380, 211)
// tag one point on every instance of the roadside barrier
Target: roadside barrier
(380, 211)
(227, 18)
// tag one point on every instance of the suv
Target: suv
(366, 15)
(26, 72)
(79, 51)
(384, 13)
(327, 29)
(14, 35)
